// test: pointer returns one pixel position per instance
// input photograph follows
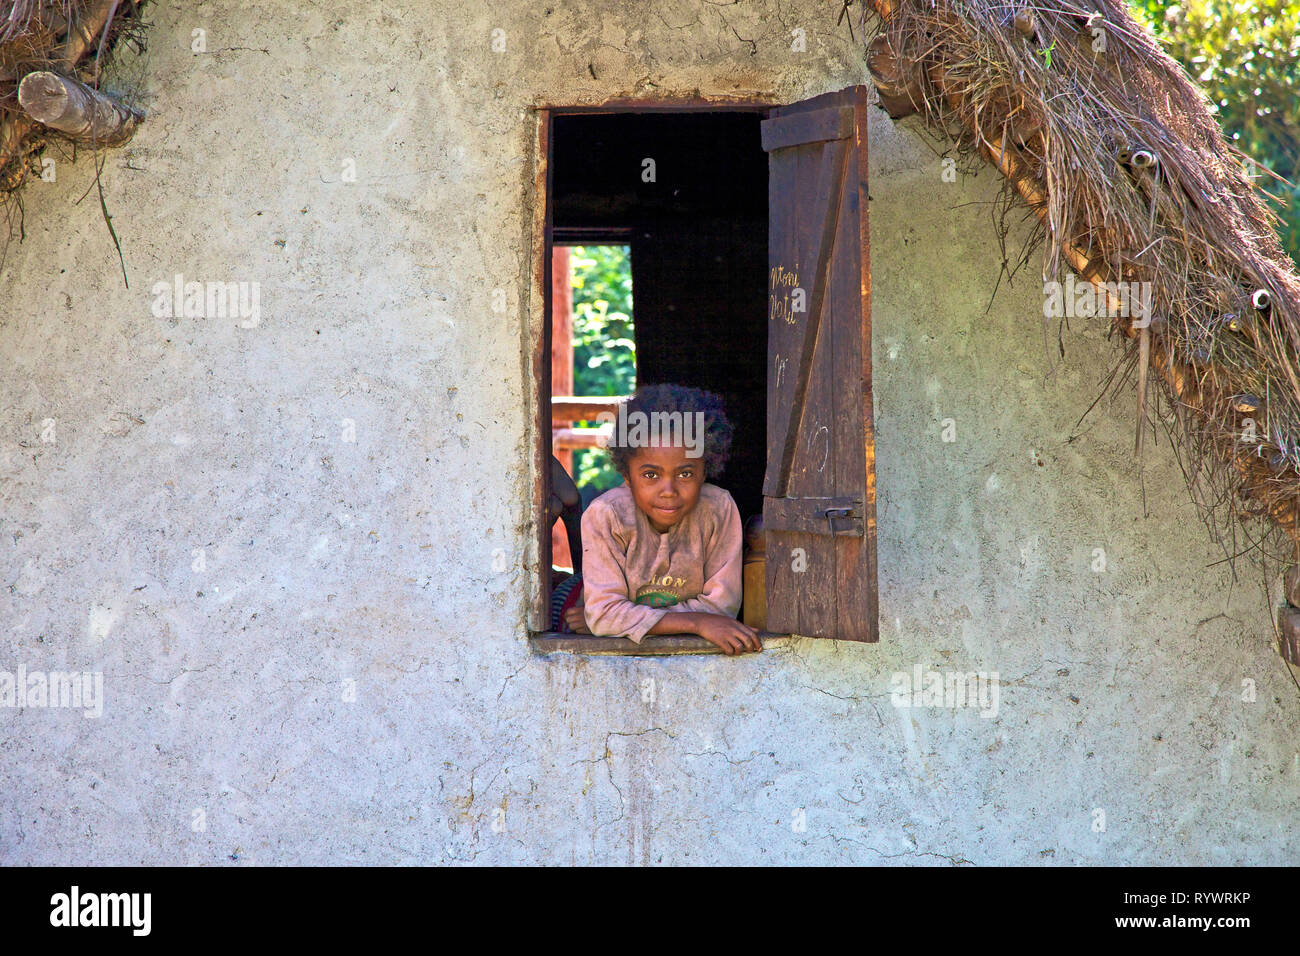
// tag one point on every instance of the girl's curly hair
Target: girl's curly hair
(677, 398)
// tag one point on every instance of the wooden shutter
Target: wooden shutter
(819, 489)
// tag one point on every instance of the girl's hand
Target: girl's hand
(576, 619)
(734, 637)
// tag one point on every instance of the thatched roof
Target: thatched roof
(1115, 148)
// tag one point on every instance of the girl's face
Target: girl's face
(665, 483)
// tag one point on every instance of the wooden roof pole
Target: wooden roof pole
(75, 46)
(86, 31)
(80, 112)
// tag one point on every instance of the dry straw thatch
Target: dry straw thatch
(1106, 138)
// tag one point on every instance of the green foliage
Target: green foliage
(1244, 56)
(594, 471)
(604, 350)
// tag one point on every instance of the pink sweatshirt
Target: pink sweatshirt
(632, 574)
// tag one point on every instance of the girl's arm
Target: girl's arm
(732, 636)
(604, 585)
(723, 568)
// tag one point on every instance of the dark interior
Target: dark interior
(699, 253)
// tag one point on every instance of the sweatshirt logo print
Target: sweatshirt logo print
(655, 598)
(662, 591)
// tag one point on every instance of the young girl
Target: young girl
(661, 554)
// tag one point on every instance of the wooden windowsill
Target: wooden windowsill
(652, 645)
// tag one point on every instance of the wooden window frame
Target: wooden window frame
(541, 639)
